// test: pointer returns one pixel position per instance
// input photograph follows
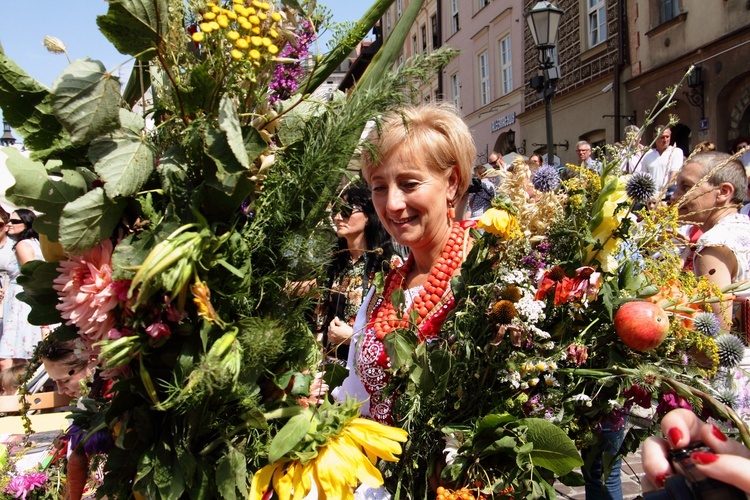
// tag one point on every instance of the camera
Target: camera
(689, 483)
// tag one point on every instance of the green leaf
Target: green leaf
(26, 108)
(86, 100)
(573, 479)
(124, 160)
(493, 421)
(231, 475)
(35, 189)
(289, 435)
(135, 26)
(88, 220)
(399, 345)
(228, 168)
(229, 123)
(36, 279)
(441, 362)
(553, 449)
(254, 142)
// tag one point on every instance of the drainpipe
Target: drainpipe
(619, 67)
(439, 7)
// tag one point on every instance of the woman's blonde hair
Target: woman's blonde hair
(432, 132)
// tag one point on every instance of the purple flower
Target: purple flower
(671, 401)
(24, 484)
(637, 395)
(286, 76)
(99, 442)
(546, 178)
(158, 330)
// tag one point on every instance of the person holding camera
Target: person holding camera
(696, 457)
(481, 192)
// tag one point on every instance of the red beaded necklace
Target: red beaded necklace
(385, 318)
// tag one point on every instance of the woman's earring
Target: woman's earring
(451, 212)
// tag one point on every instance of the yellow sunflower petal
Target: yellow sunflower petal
(335, 473)
(262, 480)
(377, 439)
(366, 471)
(303, 481)
(283, 480)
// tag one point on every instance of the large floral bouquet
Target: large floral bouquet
(573, 316)
(186, 207)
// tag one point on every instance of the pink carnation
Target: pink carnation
(87, 294)
(24, 484)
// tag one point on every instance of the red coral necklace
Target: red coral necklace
(385, 317)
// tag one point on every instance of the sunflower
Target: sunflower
(500, 222)
(338, 467)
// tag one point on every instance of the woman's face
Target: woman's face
(411, 200)
(349, 220)
(15, 225)
(68, 380)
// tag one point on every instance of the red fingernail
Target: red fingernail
(704, 458)
(717, 433)
(674, 435)
(660, 479)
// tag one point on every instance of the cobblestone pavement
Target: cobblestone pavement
(631, 487)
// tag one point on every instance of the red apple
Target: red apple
(641, 325)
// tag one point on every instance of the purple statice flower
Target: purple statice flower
(23, 484)
(537, 258)
(99, 443)
(671, 401)
(286, 77)
(546, 178)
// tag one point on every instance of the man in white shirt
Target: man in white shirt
(663, 162)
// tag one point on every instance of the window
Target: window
(454, 16)
(506, 65)
(399, 8)
(668, 9)
(387, 23)
(456, 90)
(400, 60)
(481, 4)
(434, 28)
(414, 44)
(484, 79)
(423, 32)
(597, 22)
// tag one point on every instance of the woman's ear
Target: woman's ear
(454, 179)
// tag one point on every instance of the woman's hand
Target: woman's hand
(730, 462)
(339, 332)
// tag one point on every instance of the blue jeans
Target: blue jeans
(612, 487)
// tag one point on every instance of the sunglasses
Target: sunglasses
(15, 221)
(346, 211)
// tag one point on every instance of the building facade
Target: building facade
(667, 37)
(485, 81)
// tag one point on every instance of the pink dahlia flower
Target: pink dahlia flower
(24, 484)
(87, 294)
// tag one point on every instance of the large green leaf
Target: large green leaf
(36, 279)
(25, 105)
(123, 160)
(135, 26)
(399, 345)
(229, 123)
(231, 475)
(35, 189)
(553, 449)
(228, 168)
(86, 99)
(89, 220)
(289, 435)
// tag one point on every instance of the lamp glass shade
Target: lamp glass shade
(694, 79)
(544, 21)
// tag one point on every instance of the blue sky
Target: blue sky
(24, 23)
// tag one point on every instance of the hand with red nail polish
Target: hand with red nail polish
(729, 461)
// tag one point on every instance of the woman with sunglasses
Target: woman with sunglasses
(19, 338)
(363, 247)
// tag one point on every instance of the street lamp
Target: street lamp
(544, 20)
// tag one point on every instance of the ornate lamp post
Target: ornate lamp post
(544, 20)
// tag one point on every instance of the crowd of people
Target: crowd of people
(19, 244)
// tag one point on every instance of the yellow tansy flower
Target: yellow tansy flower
(222, 20)
(276, 16)
(266, 41)
(214, 25)
(254, 54)
(233, 35)
(256, 40)
(256, 30)
(273, 49)
(237, 55)
(209, 16)
(241, 43)
(198, 37)
(254, 19)
(205, 27)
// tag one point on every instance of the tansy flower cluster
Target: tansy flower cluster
(252, 31)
